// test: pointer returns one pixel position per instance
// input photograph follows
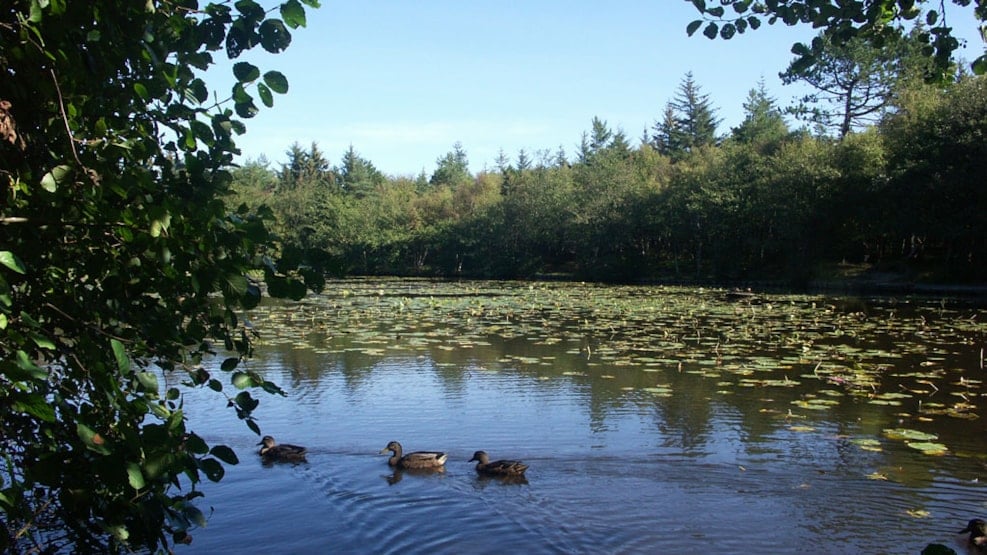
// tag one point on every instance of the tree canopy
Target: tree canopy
(762, 202)
(120, 261)
(854, 83)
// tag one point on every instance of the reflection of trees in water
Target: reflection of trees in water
(685, 417)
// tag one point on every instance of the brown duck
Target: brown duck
(417, 459)
(271, 451)
(978, 533)
(497, 468)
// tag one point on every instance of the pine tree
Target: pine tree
(696, 116)
(666, 136)
(601, 135)
(763, 121)
(689, 121)
(452, 169)
(358, 176)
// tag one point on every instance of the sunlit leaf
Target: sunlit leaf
(135, 476)
(57, 176)
(12, 262)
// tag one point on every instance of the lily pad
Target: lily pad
(928, 448)
(911, 435)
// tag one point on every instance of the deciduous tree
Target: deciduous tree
(120, 260)
(874, 21)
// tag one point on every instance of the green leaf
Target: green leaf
(700, 5)
(120, 354)
(230, 364)
(245, 401)
(693, 27)
(214, 471)
(236, 283)
(245, 72)
(245, 110)
(32, 370)
(141, 91)
(224, 454)
(979, 65)
(711, 31)
(293, 14)
(277, 81)
(242, 380)
(195, 444)
(160, 219)
(727, 31)
(250, 9)
(135, 476)
(11, 261)
(197, 88)
(265, 95)
(37, 406)
(58, 175)
(119, 531)
(237, 40)
(148, 380)
(93, 440)
(272, 388)
(42, 342)
(35, 14)
(160, 411)
(274, 36)
(194, 515)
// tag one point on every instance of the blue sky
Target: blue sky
(403, 81)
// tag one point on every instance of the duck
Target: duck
(497, 468)
(417, 459)
(977, 528)
(271, 451)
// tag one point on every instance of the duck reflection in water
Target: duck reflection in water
(399, 473)
(505, 479)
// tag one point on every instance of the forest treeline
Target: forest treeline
(898, 187)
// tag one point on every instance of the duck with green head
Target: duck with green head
(271, 451)
(417, 459)
(497, 468)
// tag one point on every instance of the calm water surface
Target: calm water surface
(653, 420)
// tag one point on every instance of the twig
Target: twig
(65, 118)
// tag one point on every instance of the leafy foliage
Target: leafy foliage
(121, 262)
(875, 22)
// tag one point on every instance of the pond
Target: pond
(653, 419)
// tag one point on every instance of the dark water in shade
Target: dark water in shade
(716, 467)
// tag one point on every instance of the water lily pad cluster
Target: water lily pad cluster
(918, 360)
